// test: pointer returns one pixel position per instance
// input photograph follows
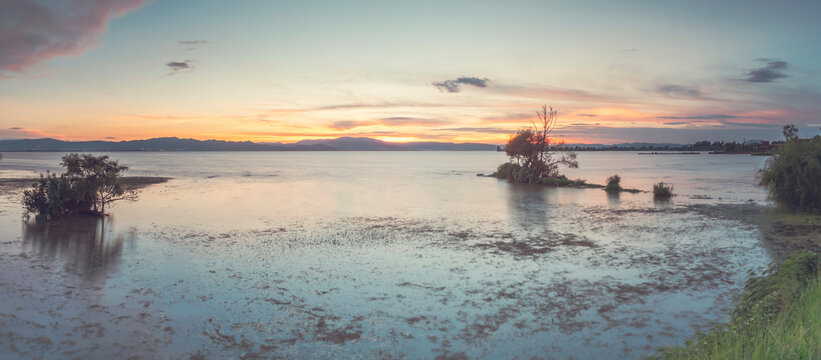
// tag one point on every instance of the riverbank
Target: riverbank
(777, 315)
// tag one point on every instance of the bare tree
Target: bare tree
(537, 151)
(549, 152)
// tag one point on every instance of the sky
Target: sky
(454, 71)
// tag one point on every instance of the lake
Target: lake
(379, 255)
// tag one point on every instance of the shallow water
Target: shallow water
(378, 255)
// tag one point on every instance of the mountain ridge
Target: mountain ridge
(187, 144)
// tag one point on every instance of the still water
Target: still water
(379, 255)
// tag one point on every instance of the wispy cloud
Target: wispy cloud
(455, 86)
(391, 121)
(17, 132)
(768, 73)
(32, 32)
(702, 117)
(673, 90)
(193, 44)
(479, 130)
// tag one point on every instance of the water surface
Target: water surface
(378, 254)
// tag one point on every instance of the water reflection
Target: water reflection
(85, 244)
(614, 198)
(663, 203)
(527, 204)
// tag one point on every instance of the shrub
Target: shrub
(662, 190)
(506, 170)
(613, 184)
(50, 197)
(516, 173)
(793, 175)
(88, 185)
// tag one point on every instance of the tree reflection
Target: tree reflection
(614, 198)
(84, 243)
(528, 205)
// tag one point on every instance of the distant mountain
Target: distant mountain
(177, 144)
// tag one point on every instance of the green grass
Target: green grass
(777, 317)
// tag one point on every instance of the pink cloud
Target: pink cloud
(34, 31)
(24, 133)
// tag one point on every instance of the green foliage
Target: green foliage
(768, 295)
(516, 173)
(521, 174)
(613, 184)
(777, 317)
(793, 175)
(50, 197)
(662, 190)
(88, 185)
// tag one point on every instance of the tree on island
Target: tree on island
(535, 154)
(88, 185)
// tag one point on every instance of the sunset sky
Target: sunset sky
(456, 71)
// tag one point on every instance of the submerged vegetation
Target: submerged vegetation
(87, 186)
(793, 174)
(777, 317)
(662, 190)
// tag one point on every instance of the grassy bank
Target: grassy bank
(777, 317)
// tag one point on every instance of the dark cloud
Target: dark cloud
(178, 66)
(702, 117)
(35, 31)
(480, 130)
(194, 42)
(454, 86)
(348, 124)
(110, 138)
(15, 128)
(685, 135)
(676, 123)
(768, 73)
(678, 90)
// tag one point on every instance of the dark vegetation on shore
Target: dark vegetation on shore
(86, 187)
(778, 316)
(793, 176)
